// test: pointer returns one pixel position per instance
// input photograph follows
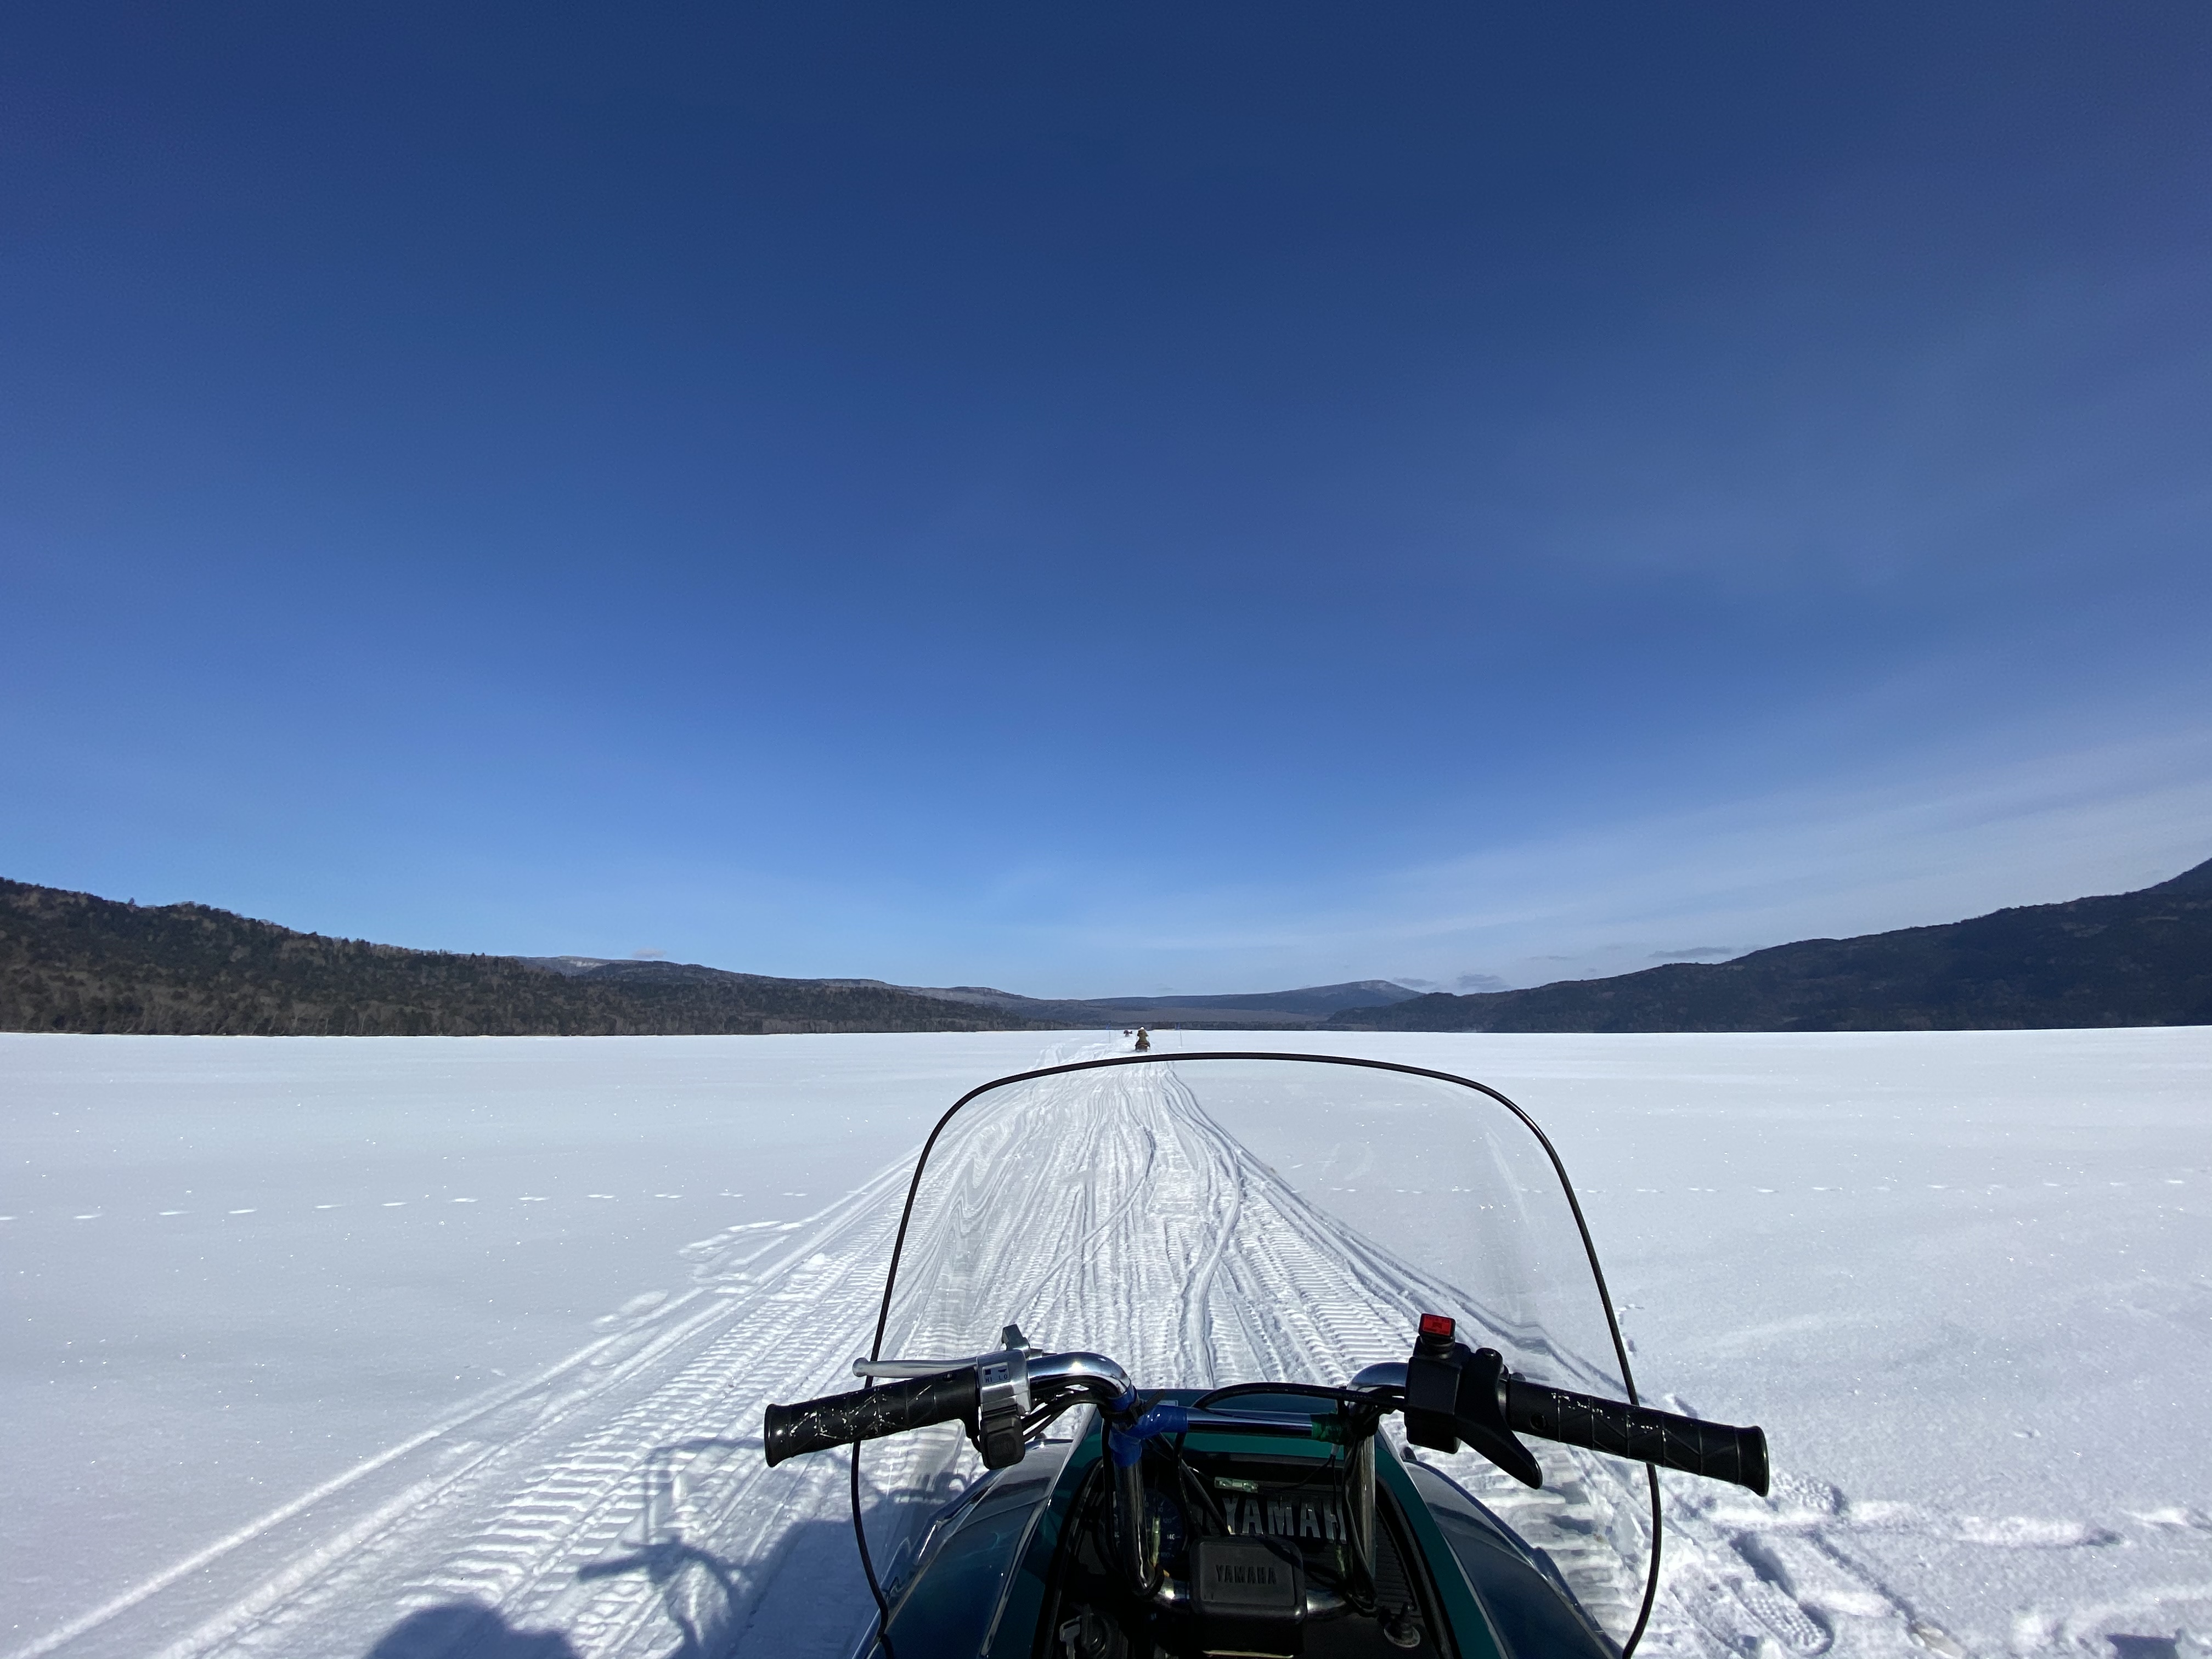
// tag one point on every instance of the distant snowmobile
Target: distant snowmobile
(1337, 1231)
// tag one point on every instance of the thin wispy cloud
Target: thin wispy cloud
(1863, 856)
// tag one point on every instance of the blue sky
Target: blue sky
(1183, 497)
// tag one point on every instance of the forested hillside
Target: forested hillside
(69, 961)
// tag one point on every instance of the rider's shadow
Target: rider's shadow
(702, 1594)
(467, 1628)
(715, 1603)
(711, 1601)
(674, 1569)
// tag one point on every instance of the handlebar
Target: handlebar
(971, 1395)
(992, 1394)
(1718, 1451)
(842, 1419)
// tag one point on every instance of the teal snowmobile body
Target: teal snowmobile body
(1010, 1560)
(1443, 1501)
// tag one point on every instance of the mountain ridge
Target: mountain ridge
(2138, 958)
(1291, 1010)
(73, 961)
(1233, 1011)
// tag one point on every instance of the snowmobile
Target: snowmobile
(1333, 1371)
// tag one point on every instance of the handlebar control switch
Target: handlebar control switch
(1002, 1401)
(1455, 1393)
(1432, 1385)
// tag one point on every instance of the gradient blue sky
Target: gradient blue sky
(1109, 498)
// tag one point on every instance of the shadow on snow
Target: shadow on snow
(711, 1601)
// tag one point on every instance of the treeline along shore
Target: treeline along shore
(69, 961)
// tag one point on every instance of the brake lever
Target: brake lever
(1010, 1340)
(1454, 1393)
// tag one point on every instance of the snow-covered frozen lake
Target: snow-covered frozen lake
(305, 1334)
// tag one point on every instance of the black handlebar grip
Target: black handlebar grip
(1715, 1450)
(839, 1419)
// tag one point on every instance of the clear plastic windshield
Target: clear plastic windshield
(1209, 1221)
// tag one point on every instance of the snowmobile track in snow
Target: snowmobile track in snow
(615, 1505)
(509, 1505)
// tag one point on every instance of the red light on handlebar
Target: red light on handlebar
(1437, 1325)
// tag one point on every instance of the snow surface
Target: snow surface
(401, 1346)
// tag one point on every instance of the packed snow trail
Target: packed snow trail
(577, 1502)
(615, 1506)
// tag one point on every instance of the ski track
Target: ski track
(619, 1499)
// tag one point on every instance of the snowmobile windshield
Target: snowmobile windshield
(1207, 1221)
(1215, 1220)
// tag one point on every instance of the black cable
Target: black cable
(868, 1564)
(1651, 1582)
(1193, 1486)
